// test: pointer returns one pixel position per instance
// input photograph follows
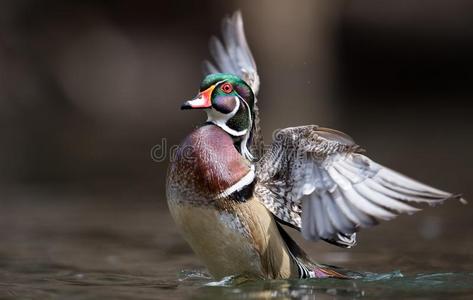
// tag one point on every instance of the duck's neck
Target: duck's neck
(242, 144)
(238, 124)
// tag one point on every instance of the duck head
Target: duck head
(228, 101)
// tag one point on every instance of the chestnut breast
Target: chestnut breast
(205, 164)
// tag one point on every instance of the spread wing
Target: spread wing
(318, 181)
(232, 54)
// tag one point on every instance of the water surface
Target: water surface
(58, 246)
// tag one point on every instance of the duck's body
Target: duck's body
(241, 240)
(230, 235)
(229, 195)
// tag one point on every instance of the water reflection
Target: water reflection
(122, 250)
(198, 285)
(371, 286)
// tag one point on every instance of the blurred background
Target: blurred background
(87, 88)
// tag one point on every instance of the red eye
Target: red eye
(227, 88)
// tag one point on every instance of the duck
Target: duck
(232, 197)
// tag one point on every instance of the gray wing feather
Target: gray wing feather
(233, 54)
(339, 189)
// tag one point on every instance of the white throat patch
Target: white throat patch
(220, 119)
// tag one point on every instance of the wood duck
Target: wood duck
(229, 195)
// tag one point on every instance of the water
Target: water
(372, 286)
(54, 246)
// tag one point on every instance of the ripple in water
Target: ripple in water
(391, 285)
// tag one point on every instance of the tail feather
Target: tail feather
(307, 268)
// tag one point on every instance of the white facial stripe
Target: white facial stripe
(244, 149)
(244, 181)
(221, 119)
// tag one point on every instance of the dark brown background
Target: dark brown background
(87, 88)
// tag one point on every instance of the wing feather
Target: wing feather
(232, 54)
(383, 200)
(323, 228)
(338, 219)
(210, 67)
(339, 189)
